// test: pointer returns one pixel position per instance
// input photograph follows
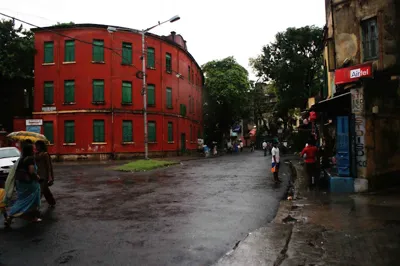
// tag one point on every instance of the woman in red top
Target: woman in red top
(311, 161)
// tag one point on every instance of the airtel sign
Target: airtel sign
(354, 73)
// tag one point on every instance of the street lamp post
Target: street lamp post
(144, 85)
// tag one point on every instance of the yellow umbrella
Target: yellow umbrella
(25, 135)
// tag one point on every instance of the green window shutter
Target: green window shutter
(151, 62)
(69, 91)
(126, 92)
(168, 62)
(98, 51)
(48, 131)
(169, 98)
(98, 90)
(170, 132)
(127, 131)
(126, 53)
(48, 92)
(69, 131)
(69, 52)
(183, 110)
(49, 52)
(151, 95)
(98, 131)
(152, 131)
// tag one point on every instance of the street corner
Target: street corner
(265, 246)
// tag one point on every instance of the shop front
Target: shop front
(343, 130)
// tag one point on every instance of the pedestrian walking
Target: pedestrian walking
(28, 189)
(265, 146)
(275, 162)
(45, 171)
(309, 154)
(241, 145)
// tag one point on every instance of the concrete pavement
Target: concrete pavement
(190, 214)
(318, 228)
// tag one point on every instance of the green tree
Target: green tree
(16, 52)
(226, 95)
(294, 63)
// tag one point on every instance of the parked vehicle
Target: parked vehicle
(8, 156)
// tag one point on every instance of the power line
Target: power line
(66, 36)
(82, 41)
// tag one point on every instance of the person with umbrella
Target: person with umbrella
(45, 171)
(28, 188)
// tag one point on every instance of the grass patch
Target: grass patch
(144, 165)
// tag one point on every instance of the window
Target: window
(98, 51)
(370, 39)
(98, 131)
(69, 51)
(151, 95)
(151, 128)
(48, 92)
(183, 110)
(126, 92)
(48, 52)
(192, 77)
(170, 132)
(126, 53)
(169, 98)
(127, 131)
(190, 104)
(98, 90)
(69, 91)
(168, 62)
(48, 131)
(189, 73)
(69, 131)
(151, 62)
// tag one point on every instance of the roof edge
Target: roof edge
(131, 30)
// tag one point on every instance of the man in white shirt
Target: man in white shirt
(275, 162)
(264, 145)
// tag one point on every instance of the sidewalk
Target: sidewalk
(324, 229)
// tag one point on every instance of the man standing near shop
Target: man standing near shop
(275, 162)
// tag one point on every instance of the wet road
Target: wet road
(189, 214)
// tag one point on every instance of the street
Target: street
(189, 214)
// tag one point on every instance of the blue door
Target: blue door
(342, 146)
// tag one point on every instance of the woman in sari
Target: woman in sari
(28, 189)
(45, 171)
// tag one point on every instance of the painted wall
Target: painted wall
(83, 111)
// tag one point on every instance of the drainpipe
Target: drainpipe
(57, 99)
(111, 95)
(333, 35)
(162, 99)
(178, 102)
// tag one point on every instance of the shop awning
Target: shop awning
(338, 103)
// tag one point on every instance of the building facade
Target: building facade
(88, 92)
(360, 104)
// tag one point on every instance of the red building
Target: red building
(88, 92)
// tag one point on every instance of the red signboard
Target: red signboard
(353, 73)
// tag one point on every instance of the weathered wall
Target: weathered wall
(383, 130)
(347, 15)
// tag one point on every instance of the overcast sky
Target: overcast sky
(213, 29)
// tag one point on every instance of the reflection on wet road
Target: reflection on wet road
(186, 214)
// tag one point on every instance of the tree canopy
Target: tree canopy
(226, 96)
(17, 51)
(294, 63)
